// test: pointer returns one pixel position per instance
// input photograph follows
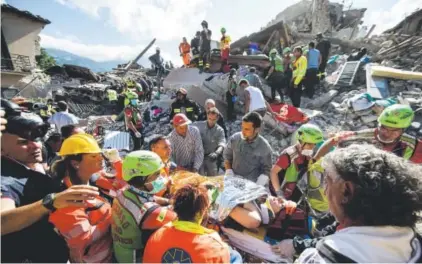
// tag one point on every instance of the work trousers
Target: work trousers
(323, 65)
(224, 59)
(209, 167)
(295, 94)
(276, 83)
(230, 106)
(186, 59)
(137, 142)
(204, 59)
(311, 79)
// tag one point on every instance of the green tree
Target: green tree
(44, 60)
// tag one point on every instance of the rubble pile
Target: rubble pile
(401, 51)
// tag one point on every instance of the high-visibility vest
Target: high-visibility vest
(279, 67)
(132, 212)
(316, 195)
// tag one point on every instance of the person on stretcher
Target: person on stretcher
(262, 211)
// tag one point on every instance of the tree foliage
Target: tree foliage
(44, 60)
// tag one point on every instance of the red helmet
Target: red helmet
(182, 91)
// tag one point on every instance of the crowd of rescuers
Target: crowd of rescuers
(84, 214)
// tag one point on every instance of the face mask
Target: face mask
(385, 141)
(307, 152)
(158, 184)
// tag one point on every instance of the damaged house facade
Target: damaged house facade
(20, 43)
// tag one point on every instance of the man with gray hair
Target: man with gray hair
(210, 103)
(375, 197)
(213, 141)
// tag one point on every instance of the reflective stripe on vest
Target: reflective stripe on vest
(79, 229)
(136, 211)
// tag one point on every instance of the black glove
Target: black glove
(213, 156)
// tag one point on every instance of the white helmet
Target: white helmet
(157, 48)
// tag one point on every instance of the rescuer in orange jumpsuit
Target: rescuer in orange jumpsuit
(85, 229)
(184, 49)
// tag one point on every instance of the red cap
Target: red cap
(181, 120)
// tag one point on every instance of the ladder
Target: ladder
(347, 74)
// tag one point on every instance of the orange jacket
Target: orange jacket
(184, 48)
(110, 185)
(86, 230)
(162, 247)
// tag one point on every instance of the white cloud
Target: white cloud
(97, 52)
(386, 19)
(143, 19)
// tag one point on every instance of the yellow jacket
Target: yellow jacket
(225, 42)
(299, 69)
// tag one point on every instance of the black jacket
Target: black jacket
(38, 243)
(194, 45)
(220, 122)
(188, 107)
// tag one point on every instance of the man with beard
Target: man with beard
(389, 135)
(28, 195)
(183, 105)
(248, 154)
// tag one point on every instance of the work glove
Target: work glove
(112, 155)
(263, 180)
(229, 173)
(213, 156)
(181, 54)
(285, 248)
(290, 207)
(138, 135)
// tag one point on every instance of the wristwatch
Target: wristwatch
(48, 202)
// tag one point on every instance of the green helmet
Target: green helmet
(273, 51)
(141, 163)
(396, 116)
(286, 50)
(131, 95)
(223, 30)
(309, 133)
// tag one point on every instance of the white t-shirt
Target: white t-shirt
(257, 99)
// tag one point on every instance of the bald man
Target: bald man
(210, 103)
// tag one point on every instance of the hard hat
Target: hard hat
(286, 50)
(141, 163)
(79, 144)
(396, 116)
(182, 91)
(181, 120)
(273, 51)
(157, 48)
(309, 133)
(223, 30)
(319, 35)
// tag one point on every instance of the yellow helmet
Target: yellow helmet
(79, 144)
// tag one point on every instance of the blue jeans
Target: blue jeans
(235, 256)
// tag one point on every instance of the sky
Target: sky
(105, 30)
